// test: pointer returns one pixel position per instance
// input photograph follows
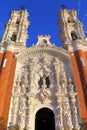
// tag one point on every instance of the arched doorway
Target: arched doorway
(44, 120)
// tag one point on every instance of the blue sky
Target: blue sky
(43, 16)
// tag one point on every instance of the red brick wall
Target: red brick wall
(79, 74)
(80, 53)
(6, 82)
(1, 59)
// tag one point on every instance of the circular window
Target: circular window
(44, 41)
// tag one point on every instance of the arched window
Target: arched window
(47, 81)
(45, 120)
(44, 81)
(40, 82)
(74, 35)
(18, 21)
(14, 36)
(70, 20)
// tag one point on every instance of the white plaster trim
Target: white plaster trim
(2, 49)
(5, 62)
(13, 48)
(82, 61)
(79, 45)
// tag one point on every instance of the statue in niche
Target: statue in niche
(59, 109)
(56, 62)
(30, 100)
(44, 60)
(60, 121)
(23, 89)
(22, 103)
(67, 120)
(44, 81)
(34, 83)
(66, 106)
(64, 87)
(45, 65)
(63, 81)
(40, 82)
(17, 87)
(74, 111)
(70, 85)
(44, 91)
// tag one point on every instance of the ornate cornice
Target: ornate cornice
(76, 45)
(2, 49)
(11, 46)
(37, 50)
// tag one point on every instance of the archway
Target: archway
(44, 120)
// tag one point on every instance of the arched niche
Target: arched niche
(74, 35)
(70, 20)
(44, 119)
(14, 37)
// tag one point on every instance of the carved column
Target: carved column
(60, 112)
(63, 79)
(14, 109)
(73, 94)
(74, 112)
(57, 73)
(30, 105)
(32, 76)
(70, 86)
(22, 111)
(15, 101)
(67, 114)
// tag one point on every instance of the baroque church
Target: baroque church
(43, 87)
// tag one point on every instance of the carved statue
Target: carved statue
(70, 85)
(66, 105)
(59, 109)
(44, 92)
(67, 114)
(67, 120)
(74, 111)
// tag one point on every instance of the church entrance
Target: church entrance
(45, 120)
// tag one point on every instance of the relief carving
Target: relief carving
(60, 118)
(70, 85)
(44, 93)
(67, 114)
(74, 112)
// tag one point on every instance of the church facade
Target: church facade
(43, 87)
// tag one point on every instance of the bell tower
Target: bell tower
(70, 28)
(16, 29)
(74, 40)
(14, 40)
